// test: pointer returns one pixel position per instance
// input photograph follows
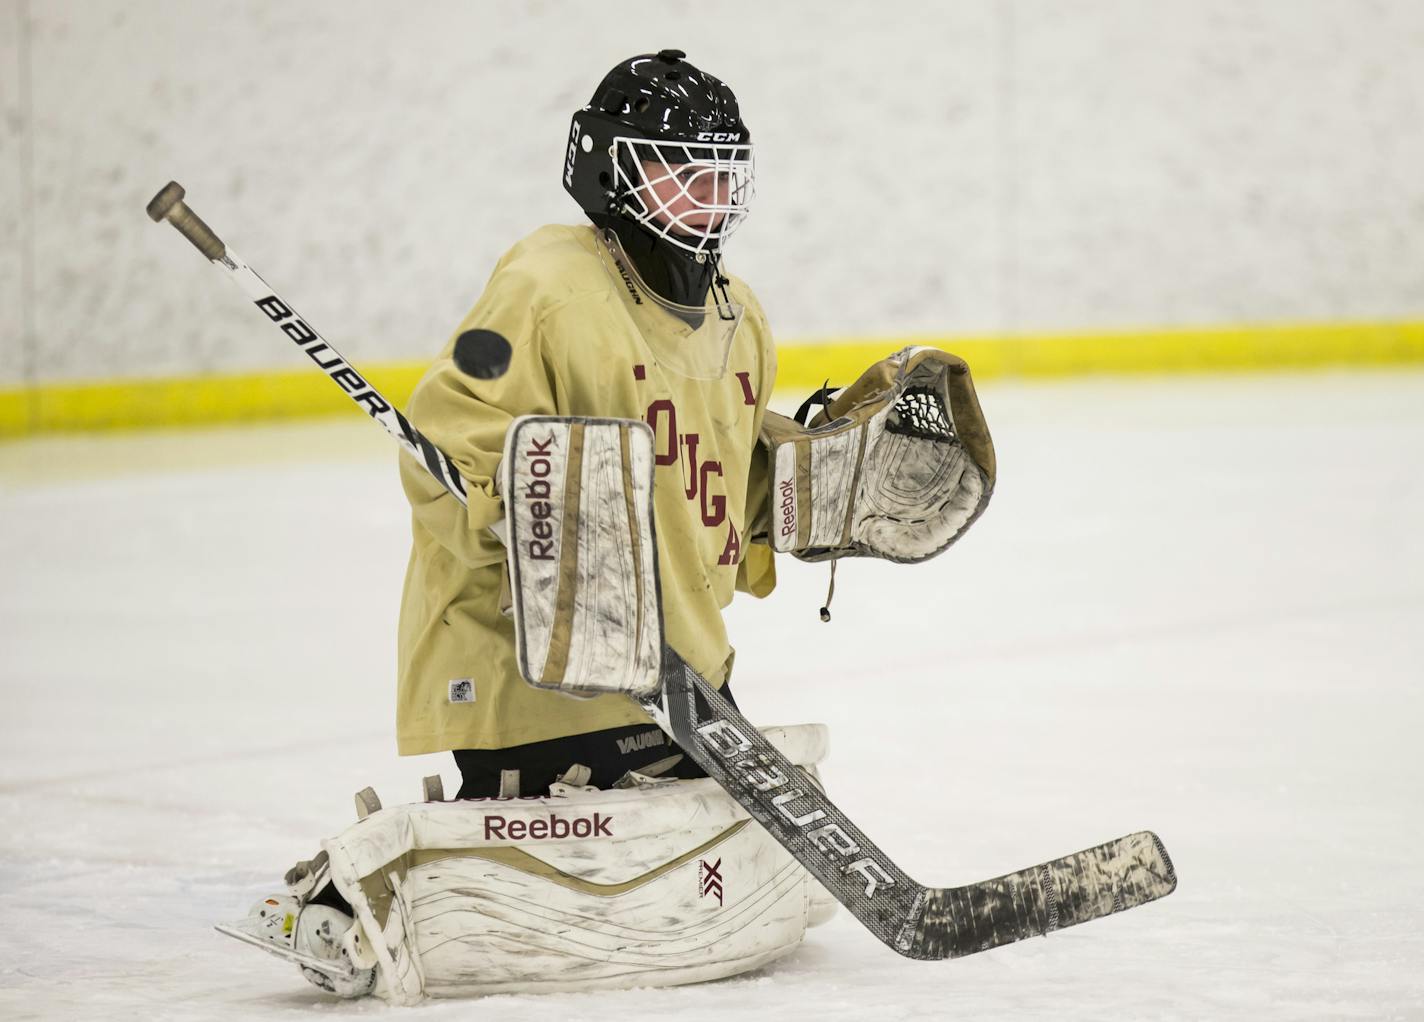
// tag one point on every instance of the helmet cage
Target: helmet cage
(692, 194)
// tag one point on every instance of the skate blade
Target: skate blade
(241, 931)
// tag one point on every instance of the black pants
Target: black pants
(609, 754)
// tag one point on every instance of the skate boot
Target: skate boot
(311, 936)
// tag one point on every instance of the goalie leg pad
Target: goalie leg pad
(656, 886)
(578, 494)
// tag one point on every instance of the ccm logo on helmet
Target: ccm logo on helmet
(719, 136)
(573, 154)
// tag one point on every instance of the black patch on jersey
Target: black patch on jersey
(482, 354)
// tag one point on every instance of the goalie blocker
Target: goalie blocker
(582, 553)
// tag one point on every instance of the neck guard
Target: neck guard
(672, 273)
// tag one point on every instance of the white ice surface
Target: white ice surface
(1195, 606)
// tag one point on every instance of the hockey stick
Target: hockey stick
(917, 921)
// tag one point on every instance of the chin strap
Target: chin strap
(720, 283)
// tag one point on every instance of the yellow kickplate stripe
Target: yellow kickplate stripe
(206, 400)
(191, 401)
(1207, 349)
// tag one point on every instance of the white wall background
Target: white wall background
(959, 167)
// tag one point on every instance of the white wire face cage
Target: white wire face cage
(693, 194)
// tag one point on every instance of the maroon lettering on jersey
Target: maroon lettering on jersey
(714, 511)
(732, 552)
(668, 435)
(747, 394)
(640, 372)
(690, 441)
(672, 447)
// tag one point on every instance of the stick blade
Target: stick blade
(1086, 885)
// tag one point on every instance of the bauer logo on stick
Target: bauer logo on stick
(326, 357)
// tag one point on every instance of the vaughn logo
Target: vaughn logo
(635, 743)
(709, 879)
(628, 281)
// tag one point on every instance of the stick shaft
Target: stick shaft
(168, 205)
(296, 329)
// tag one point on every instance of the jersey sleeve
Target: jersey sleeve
(757, 572)
(467, 416)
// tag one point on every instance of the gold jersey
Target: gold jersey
(583, 341)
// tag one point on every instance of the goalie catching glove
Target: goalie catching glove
(897, 466)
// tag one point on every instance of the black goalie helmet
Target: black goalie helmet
(663, 144)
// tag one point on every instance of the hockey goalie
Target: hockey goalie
(605, 407)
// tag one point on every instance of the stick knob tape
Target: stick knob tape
(168, 205)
